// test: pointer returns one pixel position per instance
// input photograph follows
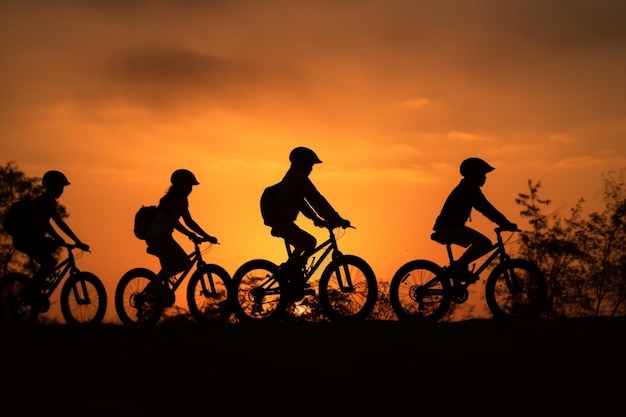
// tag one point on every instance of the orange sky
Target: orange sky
(392, 95)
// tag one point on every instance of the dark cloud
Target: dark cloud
(171, 76)
(519, 57)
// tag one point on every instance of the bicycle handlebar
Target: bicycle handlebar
(505, 229)
(71, 246)
(197, 239)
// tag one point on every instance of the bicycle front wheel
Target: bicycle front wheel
(14, 306)
(348, 289)
(257, 295)
(417, 291)
(83, 299)
(133, 304)
(208, 294)
(516, 289)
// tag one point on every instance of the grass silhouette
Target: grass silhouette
(509, 367)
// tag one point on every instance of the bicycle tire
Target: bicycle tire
(409, 297)
(257, 295)
(132, 305)
(83, 299)
(208, 294)
(14, 308)
(529, 302)
(341, 304)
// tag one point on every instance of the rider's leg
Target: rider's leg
(173, 260)
(41, 250)
(476, 245)
(303, 244)
(479, 245)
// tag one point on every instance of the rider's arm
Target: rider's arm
(58, 220)
(488, 210)
(191, 223)
(320, 204)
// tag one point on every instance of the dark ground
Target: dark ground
(485, 366)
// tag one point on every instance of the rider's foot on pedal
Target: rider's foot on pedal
(160, 293)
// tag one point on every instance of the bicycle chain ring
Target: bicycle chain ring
(459, 294)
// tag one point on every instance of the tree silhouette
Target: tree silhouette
(583, 259)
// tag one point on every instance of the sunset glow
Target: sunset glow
(392, 95)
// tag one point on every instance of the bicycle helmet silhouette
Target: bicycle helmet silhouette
(304, 156)
(472, 167)
(54, 178)
(183, 177)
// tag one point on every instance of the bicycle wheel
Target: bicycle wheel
(14, 307)
(132, 304)
(257, 295)
(208, 292)
(516, 289)
(348, 289)
(83, 299)
(416, 291)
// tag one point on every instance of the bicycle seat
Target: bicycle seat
(440, 239)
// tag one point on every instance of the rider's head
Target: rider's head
(54, 181)
(474, 168)
(303, 157)
(183, 177)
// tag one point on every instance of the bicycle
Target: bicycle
(208, 291)
(83, 297)
(347, 287)
(515, 288)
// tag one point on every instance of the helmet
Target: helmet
(472, 167)
(54, 178)
(303, 155)
(183, 177)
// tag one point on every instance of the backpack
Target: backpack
(268, 203)
(143, 217)
(19, 217)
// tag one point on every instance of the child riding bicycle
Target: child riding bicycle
(173, 207)
(450, 224)
(40, 240)
(294, 194)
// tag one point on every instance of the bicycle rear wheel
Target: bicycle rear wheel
(133, 304)
(417, 292)
(208, 292)
(83, 299)
(14, 306)
(348, 289)
(257, 295)
(516, 289)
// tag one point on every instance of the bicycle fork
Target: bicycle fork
(79, 289)
(342, 272)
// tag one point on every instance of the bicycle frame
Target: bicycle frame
(497, 250)
(64, 268)
(327, 247)
(196, 260)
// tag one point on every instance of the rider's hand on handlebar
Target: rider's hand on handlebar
(343, 223)
(82, 246)
(211, 239)
(509, 226)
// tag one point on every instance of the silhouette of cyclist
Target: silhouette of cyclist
(293, 195)
(173, 207)
(41, 240)
(450, 224)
